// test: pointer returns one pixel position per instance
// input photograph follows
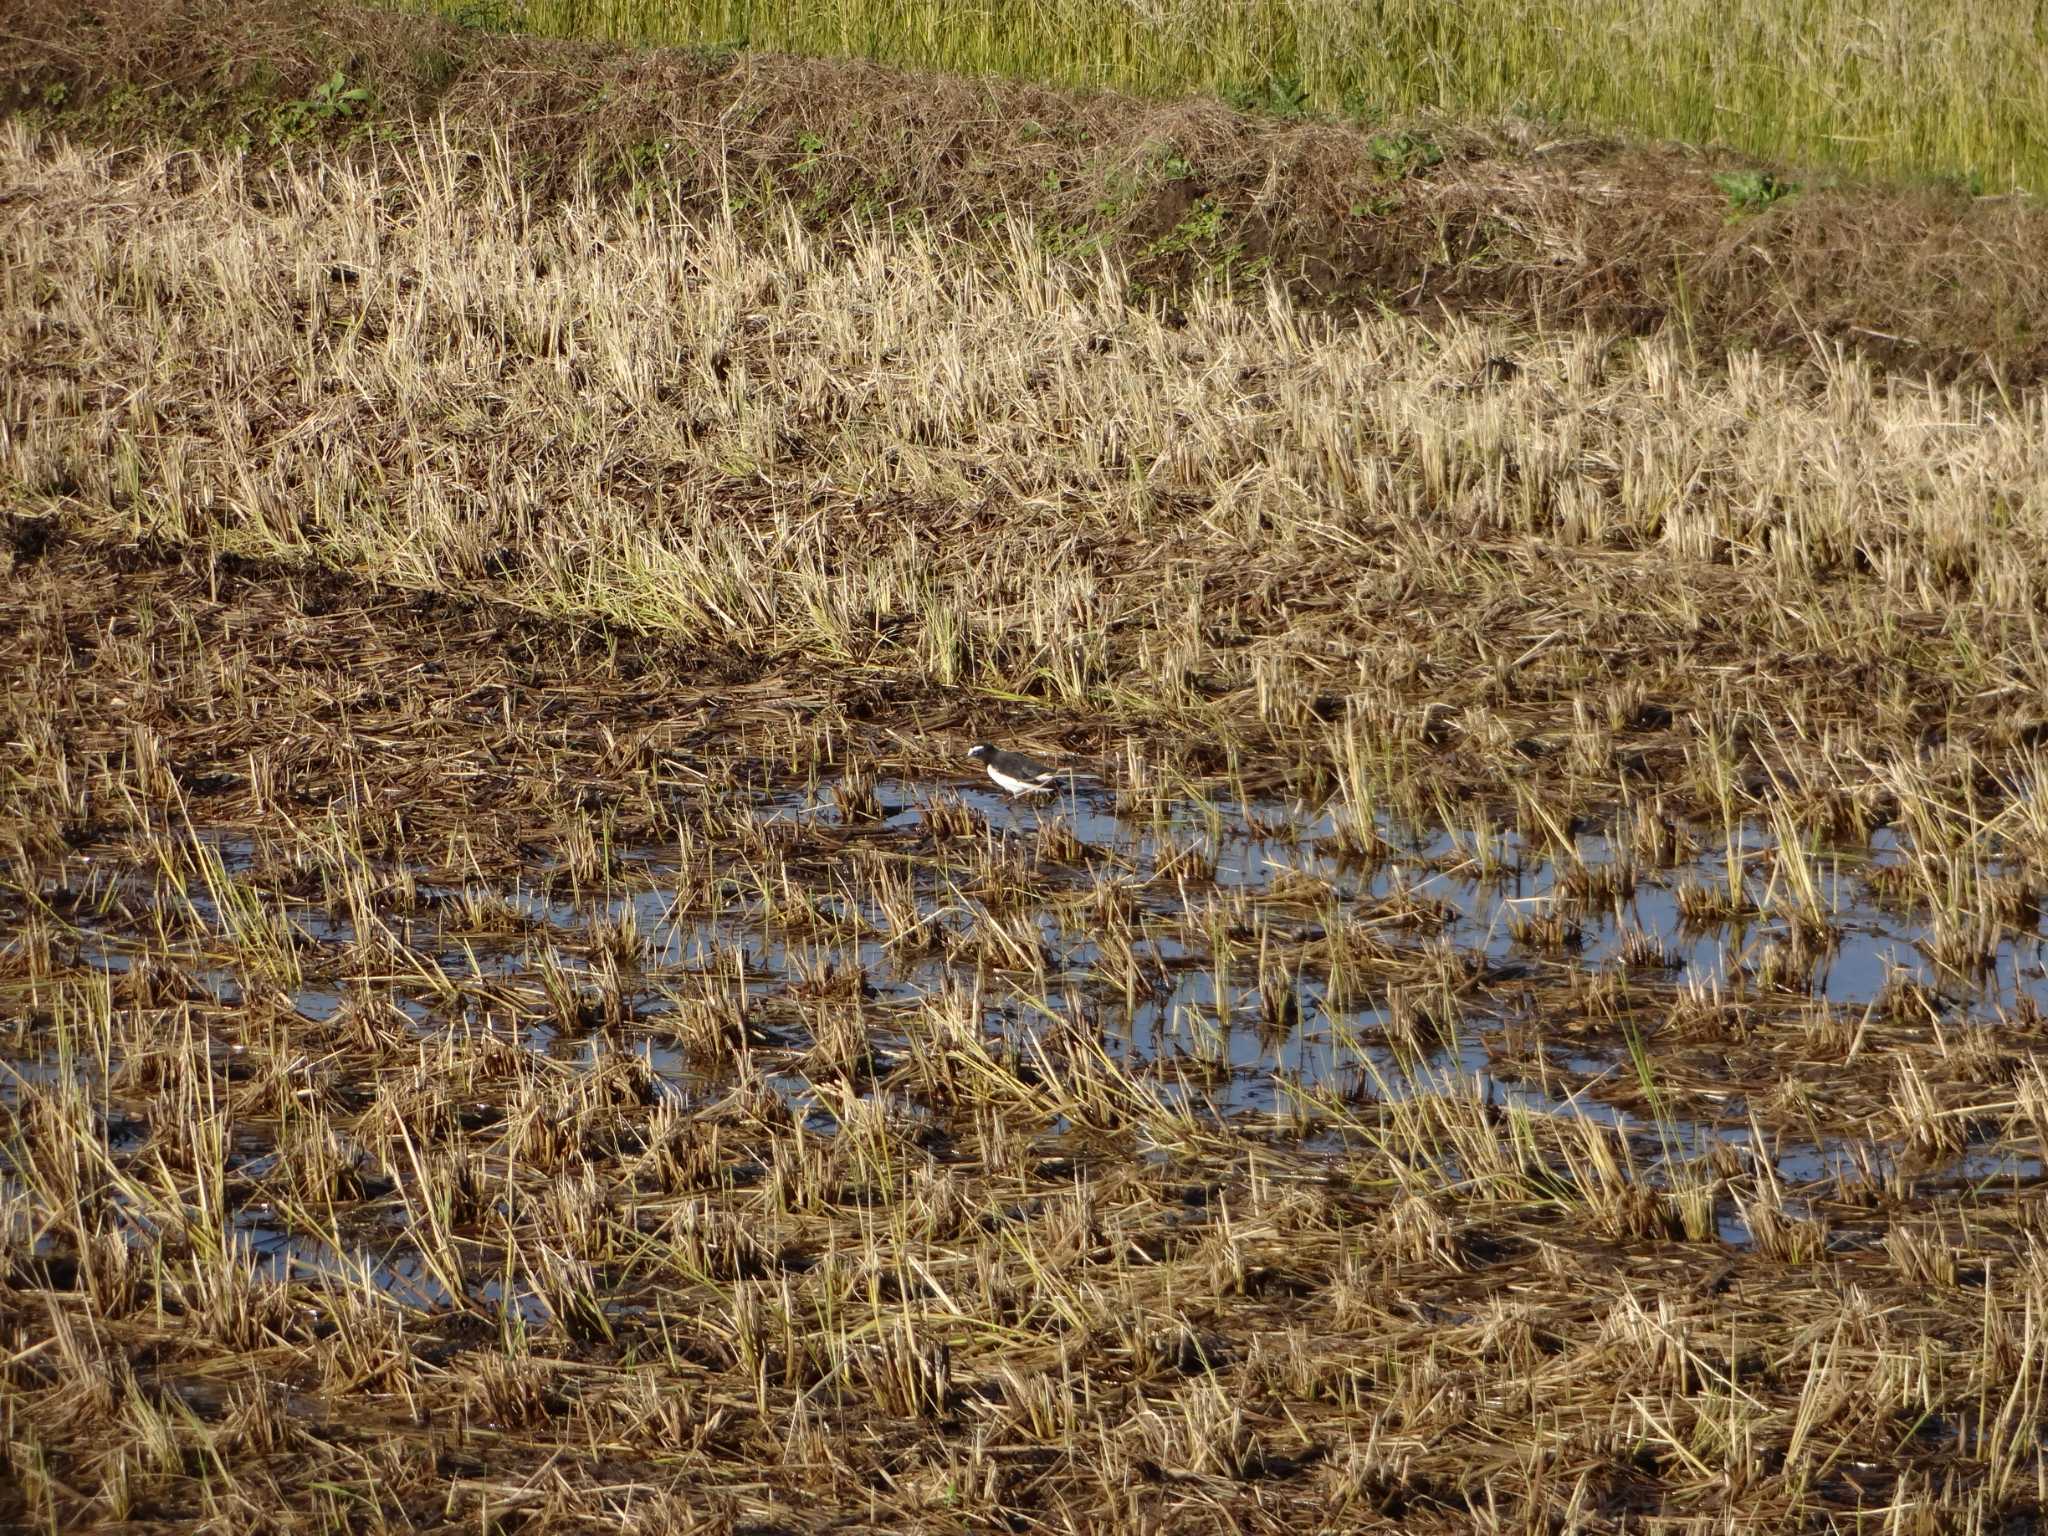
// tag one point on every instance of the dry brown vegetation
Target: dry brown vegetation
(409, 1128)
(1589, 564)
(514, 1016)
(1530, 222)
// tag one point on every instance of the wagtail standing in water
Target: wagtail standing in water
(1015, 772)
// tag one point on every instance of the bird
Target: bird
(1013, 771)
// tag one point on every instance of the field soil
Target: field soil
(1456, 560)
(470, 1068)
(517, 1014)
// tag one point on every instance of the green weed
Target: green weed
(333, 100)
(1279, 95)
(1402, 154)
(1753, 191)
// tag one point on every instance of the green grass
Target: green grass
(1914, 88)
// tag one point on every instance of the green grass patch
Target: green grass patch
(1922, 89)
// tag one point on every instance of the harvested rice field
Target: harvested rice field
(1522, 1010)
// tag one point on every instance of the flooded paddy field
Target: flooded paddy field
(437, 1046)
(1522, 1011)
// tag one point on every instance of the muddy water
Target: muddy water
(1209, 1037)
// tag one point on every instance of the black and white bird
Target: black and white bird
(1015, 772)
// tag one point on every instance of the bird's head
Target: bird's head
(981, 751)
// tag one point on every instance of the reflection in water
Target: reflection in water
(1209, 1038)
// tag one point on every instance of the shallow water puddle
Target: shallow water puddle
(1252, 963)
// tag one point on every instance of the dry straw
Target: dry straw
(486, 1045)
